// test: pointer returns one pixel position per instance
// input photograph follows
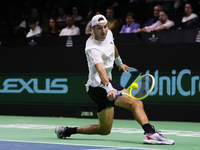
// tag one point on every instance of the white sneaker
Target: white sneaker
(156, 138)
(59, 130)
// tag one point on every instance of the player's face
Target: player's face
(100, 31)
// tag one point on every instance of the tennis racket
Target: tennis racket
(145, 83)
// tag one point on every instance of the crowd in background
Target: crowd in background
(26, 18)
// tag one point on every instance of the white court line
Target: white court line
(114, 129)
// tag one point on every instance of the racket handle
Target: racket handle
(118, 94)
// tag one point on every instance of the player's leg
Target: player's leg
(151, 136)
(105, 123)
(105, 112)
(105, 117)
(135, 106)
(138, 111)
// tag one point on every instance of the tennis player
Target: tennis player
(101, 54)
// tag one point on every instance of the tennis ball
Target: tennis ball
(134, 86)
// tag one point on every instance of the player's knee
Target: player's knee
(140, 103)
(105, 131)
(137, 104)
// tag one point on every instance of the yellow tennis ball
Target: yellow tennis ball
(134, 86)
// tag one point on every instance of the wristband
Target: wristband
(108, 87)
(118, 61)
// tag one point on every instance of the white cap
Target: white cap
(95, 20)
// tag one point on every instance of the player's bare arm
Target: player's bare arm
(105, 80)
(102, 73)
(122, 66)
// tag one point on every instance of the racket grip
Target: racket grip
(118, 94)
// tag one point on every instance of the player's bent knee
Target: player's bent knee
(140, 103)
(106, 132)
(137, 104)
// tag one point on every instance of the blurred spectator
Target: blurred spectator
(12, 18)
(90, 13)
(34, 12)
(190, 20)
(76, 15)
(88, 29)
(71, 29)
(138, 7)
(188, 12)
(48, 12)
(61, 14)
(23, 27)
(131, 25)
(155, 18)
(177, 6)
(113, 23)
(52, 28)
(35, 30)
(61, 18)
(104, 4)
(67, 5)
(163, 23)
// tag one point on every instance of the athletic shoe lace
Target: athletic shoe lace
(157, 131)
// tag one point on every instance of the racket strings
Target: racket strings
(145, 85)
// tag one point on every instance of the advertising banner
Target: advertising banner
(57, 74)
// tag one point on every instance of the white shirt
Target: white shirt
(34, 32)
(23, 24)
(70, 31)
(60, 19)
(77, 18)
(99, 51)
(168, 24)
(192, 16)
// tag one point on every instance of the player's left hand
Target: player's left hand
(124, 68)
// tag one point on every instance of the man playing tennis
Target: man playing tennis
(101, 54)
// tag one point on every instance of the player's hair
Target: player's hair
(100, 19)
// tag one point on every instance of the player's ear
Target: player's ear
(92, 27)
